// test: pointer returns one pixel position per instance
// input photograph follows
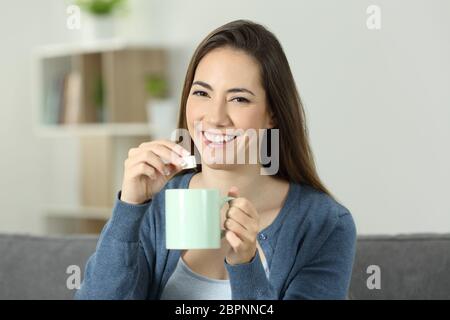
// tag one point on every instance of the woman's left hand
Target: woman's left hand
(242, 227)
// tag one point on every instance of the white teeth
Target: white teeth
(218, 138)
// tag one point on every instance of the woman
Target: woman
(285, 235)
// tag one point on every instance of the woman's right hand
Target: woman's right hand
(148, 168)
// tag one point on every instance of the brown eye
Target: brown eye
(241, 100)
(200, 93)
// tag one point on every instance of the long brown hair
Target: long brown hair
(296, 162)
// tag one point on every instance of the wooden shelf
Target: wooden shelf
(100, 129)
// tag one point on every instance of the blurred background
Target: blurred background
(82, 84)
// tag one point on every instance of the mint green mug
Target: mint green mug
(193, 218)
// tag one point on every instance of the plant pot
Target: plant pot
(98, 27)
(162, 117)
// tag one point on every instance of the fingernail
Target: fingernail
(166, 171)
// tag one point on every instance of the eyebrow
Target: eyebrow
(207, 86)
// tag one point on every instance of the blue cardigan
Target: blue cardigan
(309, 248)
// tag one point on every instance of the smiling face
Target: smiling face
(225, 100)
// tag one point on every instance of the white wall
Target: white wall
(377, 102)
(25, 161)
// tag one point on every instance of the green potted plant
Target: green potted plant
(98, 22)
(156, 86)
(99, 7)
(161, 109)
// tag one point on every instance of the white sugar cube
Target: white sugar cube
(190, 162)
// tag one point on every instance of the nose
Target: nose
(217, 114)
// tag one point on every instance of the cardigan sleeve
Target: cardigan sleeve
(326, 276)
(248, 281)
(120, 268)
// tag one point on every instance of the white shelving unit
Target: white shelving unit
(65, 49)
(121, 66)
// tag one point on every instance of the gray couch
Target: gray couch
(411, 266)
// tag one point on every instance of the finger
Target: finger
(234, 241)
(182, 152)
(243, 219)
(143, 168)
(133, 151)
(168, 155)
(176, 148)
(246, 206)
(240, 231)
(241, 203)
(152, 159)
(233, 192)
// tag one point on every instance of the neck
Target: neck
(247, 178)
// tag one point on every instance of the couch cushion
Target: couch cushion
(411, 266)
(33, 267)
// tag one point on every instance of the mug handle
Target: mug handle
(222, 203)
